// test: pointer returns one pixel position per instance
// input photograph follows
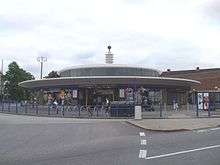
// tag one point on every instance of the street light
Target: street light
(5, 90)
(41, 59)
(1, 74)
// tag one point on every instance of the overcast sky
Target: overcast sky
(175, 34)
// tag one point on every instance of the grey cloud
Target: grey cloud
(212, 9)
(135, 2)
(18, 23)
(176, 58)
(85, 55)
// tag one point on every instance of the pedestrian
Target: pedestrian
(107, 106)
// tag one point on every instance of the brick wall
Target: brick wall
(209, 78)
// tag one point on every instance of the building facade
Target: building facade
(110, 83)
(210, 84)
(94, 84)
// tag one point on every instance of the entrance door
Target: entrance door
(98, 96)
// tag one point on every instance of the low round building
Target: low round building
(94, 84)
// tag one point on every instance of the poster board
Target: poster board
(203, 101)
(75, 93)
(200, 100)
(121, 93)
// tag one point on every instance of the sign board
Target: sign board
(62, 94)
(200, 100)
(203, 101)
(74, 93)
(121, 93)
(206, 101)
(129, 94)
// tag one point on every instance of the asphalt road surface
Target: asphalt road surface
(76, 142)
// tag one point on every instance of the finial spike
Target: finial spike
(109, 56)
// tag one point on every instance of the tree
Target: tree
(52, 74)
(12, 78)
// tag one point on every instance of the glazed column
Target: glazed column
(164, 99)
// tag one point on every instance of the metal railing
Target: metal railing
(81, 111)
(104, 111)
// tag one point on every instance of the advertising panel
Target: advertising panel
(74, 93)
(206, 101)
(200, 100)
(121, 93)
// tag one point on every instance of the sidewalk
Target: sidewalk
(27, 119)
(176, 124)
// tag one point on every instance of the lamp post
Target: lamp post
(196, 101)
(41, 59)
(1, 81)
(6, 94)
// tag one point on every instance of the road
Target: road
(82, 142)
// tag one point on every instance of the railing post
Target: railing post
(160, 110)
(209, 114)
(79, 108)
(25, 107)
(97, 110)
(63, 110)
(36, 108)
(2, 106)
(9, 106)
(57, 109)
(197, 106)
(48, 109)
(16, 106)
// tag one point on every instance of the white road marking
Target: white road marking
(143, 154)
(183, 152)
(202, 131)
(142, 134)
(214, 129)
(143, 142)
(207, 130)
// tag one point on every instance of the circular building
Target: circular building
(94, 84)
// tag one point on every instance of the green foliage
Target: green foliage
(53, 74)
(12, 78)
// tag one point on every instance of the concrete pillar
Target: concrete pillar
(164, 99)
(165, 106)
(187, 106)
(86, 96)
(138, 113)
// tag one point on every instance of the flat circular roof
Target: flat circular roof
(108, 80)
(108, 70)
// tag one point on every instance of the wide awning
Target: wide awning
(108, 80)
